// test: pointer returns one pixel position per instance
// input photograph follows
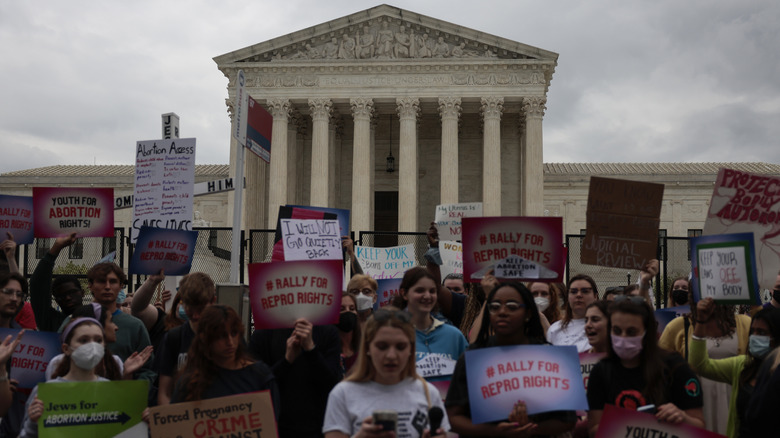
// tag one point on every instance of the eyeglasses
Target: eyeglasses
(584, 290)
(634, 299)
(11, 292)
(383, 315)
(511, 306)
(365, 291)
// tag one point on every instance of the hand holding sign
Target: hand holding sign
(8, 347)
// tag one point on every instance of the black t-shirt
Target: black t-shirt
(176, 344)
(157, 332)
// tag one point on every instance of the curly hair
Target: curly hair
(533, 326)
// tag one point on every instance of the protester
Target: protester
(364, 289)
(65, 289)
(761, 419)
(349, 332)
(384, 380)
(7, 393)
(570, 330)
(546, 299)
(596, 316)
(153, 317)
(611, 292)
(451, 304)
(13, 291)
(454, 282)
(678, 292)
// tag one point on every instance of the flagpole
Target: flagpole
(238, 129)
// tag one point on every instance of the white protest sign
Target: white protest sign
(311, 239)
(451, 257)
(515, 267)
(435, 365)
(724, 268)
(389, 262)
(448, 218)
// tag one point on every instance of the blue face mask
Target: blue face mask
(120, 298)
(758, 346)
(182, 314)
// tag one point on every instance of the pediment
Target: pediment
(385, 33)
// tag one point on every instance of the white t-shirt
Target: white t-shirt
(573, 335)
(350, 402)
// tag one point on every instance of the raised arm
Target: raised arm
(8, 247)
(141, 306)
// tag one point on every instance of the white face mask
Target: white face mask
(364, 302)
(88, 355)
(542, 303)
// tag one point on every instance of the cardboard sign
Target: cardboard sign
(490, 240)
(60, 211)
(16, 217)
(164, 184)
(388, 289)
(724, 268)
(620, 422)
(749, 203)
(282, 292)
(546, 377)
(451, 258)
(91, 408)
(160, 248)
(311, 239)
(449, 216)
(31, 357)
(622, 223)
(390, 262)
(243, 415)
(664, 316)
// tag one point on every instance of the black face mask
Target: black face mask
(680, 296)
(776, 295)
(347, 322)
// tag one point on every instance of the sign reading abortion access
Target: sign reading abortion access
(724, 268)
(449, 216)
(60, 211)
(388, 288)
(282, 292)
(490, 240)
(311, 239)
(621, 422)
(622, 223)
(160, 248)
(16, 217)
(244, 415)
(32, 355)
(749, 203)
(91, 408)
(547, 378)
(390, 262)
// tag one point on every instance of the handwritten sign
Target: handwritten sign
(622, 223)
(342, 216)
(388, 288)
(282, 292)
(487, 241)
(311, 239)
(389, 262)
(449, 216)
(621, 422)
(451, 257)
(547, 378)
(164, 184)
(243, 415)
(515, 267)
(160, 248)
(286, 212)
(664, 316)
(16, 217)
(91, 408)
(59, 211)
(32, 355)
(724, 268)
(749, 203)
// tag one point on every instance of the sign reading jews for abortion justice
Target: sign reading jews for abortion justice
(451, 258)
(91, 408)
(724, 268)
(60, 211)
(388, 288)
(160, 248)
(282, 292)
(242, 415)
(32, 355)
(311, 239)
(749, 203)
(449, 216)
(389, 262)
(621, 422)
(16, 217)
(164, 184)
(488, 241)
(546, 377)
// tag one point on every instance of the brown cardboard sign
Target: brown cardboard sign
(250, 414)
(623, 218)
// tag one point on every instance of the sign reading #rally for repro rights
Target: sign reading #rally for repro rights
(16, 217)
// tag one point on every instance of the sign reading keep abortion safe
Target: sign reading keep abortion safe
(60, 211)
(389, 262)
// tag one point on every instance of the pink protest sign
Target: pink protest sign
(488, 241)
(16, 217)
(161, 248)
(587, 362)
(625, 422)
(59, 211)
(282, 292)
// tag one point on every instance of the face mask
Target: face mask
(542, 303)
(347, 322)
(182, 314)
(88, 355)
(120, 298)
(364, 302)
(627, 347)
(680, 296)
(758, 346)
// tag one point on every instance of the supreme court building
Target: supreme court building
(388, 113)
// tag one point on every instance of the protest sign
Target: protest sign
(664, 316)
(341, 215)
(621, 422)
(515, 267)
(160, 248)
(259, 127)
(451, 258)
(388, 289)
(282, 292)
(286, 212)
(449, 216)
(164, 184)
(311, 239)
(390, 262)
(242, 415)
(587, 362)
(32, 355)
(60, 211)
(91, 408)
(489, 240)
(724, 268)
(16, 217)
(497, 379)
(749, 203)
(622, 223)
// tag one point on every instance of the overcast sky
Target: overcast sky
(636, 81)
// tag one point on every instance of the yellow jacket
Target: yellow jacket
(673, 337)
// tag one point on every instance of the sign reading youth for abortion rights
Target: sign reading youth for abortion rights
(160, 248)
(724, 268)
(16, 217)
(620, 422)
(389, 262)
(59, 211)
(32, 355)
(282, 292)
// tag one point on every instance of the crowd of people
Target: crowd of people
(401, 366)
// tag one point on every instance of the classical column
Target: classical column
(320, 116)
(277, 192)
(292, 158)
(408, 109)
(449, 107)
(336, 133)
(491, 155)
(361, 163)
(533, 165)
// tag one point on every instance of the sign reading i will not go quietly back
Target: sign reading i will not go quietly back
(311, 239)
(724, 268)
(60, 211)
(161, 248)
(16, 217)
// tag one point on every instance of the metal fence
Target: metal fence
(397, 238)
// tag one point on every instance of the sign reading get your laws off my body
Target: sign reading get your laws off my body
(724, 268)
(59, 211)
(390, 262)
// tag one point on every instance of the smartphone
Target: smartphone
(647, 409)
(387, 419)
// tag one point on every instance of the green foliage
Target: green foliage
(77, 270)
